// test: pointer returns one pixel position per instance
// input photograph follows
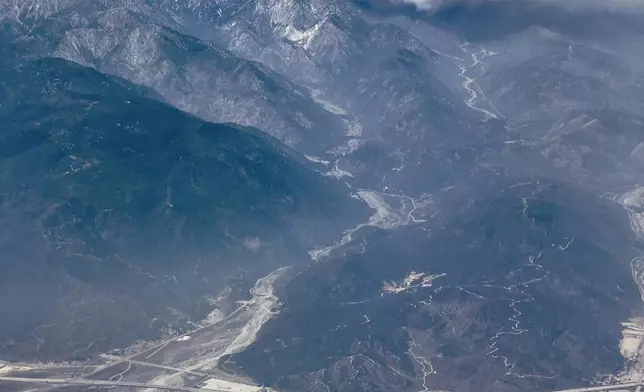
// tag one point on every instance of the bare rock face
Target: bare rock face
(32, 9)
(129, 40)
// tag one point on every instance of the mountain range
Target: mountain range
(350, 195)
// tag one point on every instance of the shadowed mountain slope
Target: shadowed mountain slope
(112, 200)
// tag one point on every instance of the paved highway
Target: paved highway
(614, 387)
(160, 345)
(79, 381)
(631, 386)
(154, 365)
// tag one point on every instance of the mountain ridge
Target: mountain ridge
(114, 190)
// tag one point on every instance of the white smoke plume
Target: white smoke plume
(612, 5)
(429, 5)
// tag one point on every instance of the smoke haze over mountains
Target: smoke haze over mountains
(321, 195)
(484, 20)
(433, 6)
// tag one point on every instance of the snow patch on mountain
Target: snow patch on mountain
(301, 37)
(31, 9)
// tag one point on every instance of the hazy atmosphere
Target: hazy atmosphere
(321, 195)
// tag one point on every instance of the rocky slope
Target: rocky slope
(201, 77)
